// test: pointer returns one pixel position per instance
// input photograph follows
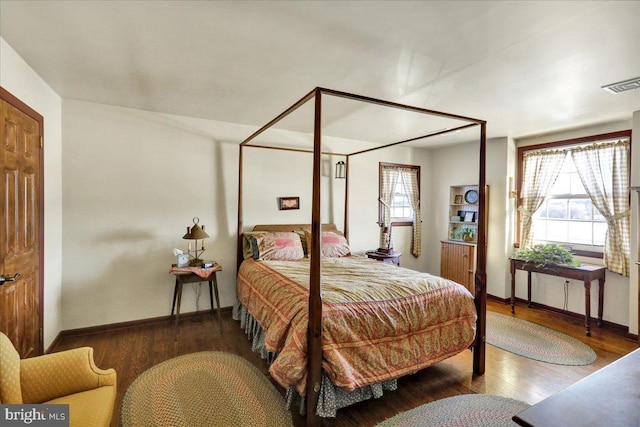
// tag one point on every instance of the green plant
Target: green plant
(465, 233)
(548, 254)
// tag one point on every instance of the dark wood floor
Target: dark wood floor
(133, 350)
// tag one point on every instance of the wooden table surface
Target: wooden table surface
(609, 397)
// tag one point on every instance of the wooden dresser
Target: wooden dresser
(458, 262)
(608, 397)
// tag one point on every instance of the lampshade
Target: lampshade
(196, 232)
(341, 170)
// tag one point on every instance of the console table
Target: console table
(608, 397)
(586, 272)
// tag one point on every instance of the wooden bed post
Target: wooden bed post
(345, 228)
(239, 256)
(314, 331)
(481, 263)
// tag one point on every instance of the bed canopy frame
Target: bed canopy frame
(314, 334)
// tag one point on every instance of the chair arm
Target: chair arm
(60, 374)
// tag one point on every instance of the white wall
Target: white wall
(18, 78)
(549, 290)
(133, 180)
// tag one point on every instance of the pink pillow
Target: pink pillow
(281, 245)
(333, 245)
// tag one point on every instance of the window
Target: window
(400, 206)
(399, 202)
(568, 215)
(565, 212)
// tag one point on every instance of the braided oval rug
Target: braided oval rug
(204, 389)
(467, 410)
(536, 342)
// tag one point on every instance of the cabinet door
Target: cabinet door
(457, 263)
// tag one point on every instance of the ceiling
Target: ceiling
(526, 67)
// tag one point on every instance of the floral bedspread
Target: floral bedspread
(380, 321)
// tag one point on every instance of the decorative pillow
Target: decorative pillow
(281, 245)
(250, 243)
(334, 245)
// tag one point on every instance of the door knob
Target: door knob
(4, 278)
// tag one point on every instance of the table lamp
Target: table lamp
(196, 233)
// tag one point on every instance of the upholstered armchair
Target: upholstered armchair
(68, 377)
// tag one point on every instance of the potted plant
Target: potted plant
(465, 233)
(543, 256)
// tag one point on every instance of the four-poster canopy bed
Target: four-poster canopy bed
(318, 267)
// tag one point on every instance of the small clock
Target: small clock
(471, 196)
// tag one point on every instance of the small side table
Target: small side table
(194, 275)
(393, 258)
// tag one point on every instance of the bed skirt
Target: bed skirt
(331, 397)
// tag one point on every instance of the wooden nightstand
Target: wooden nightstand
(194, 275)
(393, 258)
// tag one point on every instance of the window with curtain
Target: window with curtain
(399, 200)
(575, 193)
(568, 214)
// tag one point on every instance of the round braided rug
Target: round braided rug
(467, 410)
(204, 389)
(536, 342)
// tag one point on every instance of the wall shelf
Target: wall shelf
(459, 209)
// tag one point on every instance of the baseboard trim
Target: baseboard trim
(91, 330)
(620, 329)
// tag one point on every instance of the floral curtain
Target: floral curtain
(540, 171)
(604, 172)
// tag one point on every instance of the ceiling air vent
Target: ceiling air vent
(624, 86)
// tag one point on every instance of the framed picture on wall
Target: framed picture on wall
(287, 203)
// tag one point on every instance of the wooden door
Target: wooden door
(20, 227)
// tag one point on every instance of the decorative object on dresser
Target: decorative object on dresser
(195, 233)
